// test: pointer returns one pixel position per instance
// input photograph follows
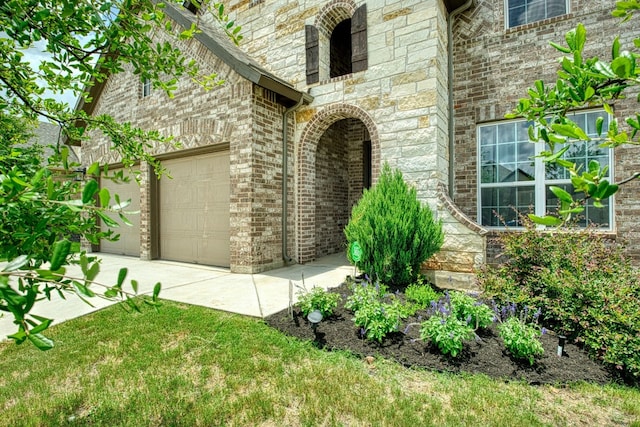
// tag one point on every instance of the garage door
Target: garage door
(194, 210)
(129, 242)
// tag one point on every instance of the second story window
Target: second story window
(146, 88)
(338, 50)
(520, 12)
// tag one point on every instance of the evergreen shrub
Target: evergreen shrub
(396, 232)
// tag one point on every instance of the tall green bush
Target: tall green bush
(583, 284)
(395, 231)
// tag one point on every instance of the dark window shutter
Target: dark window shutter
(359, 39)
(313, 54)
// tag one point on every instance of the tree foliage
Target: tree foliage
(43, 210)
(394, 230)
(584, 82)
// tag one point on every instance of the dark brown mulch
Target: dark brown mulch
(485, 355)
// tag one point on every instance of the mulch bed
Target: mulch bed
(485, 355)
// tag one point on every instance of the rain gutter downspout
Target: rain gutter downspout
(285, 175)
(450, 20)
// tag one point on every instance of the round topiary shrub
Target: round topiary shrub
(394, 231)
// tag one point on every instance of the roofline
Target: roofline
(250, 72)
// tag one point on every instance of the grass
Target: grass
(187, 365)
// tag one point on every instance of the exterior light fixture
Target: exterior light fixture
(315, 317)
(561, 341)
(79, 174)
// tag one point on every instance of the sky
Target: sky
(34, 56)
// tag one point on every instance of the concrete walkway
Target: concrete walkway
(257, 295)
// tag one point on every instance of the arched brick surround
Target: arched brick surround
(306, 169)
(332, 14)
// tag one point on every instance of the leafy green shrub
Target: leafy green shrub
(372, 313)
(520, 336)
(472, 311)
(318, 299)
(584, 285)
(377, 319)
(363, 294)
(395, 231)
(521, 339)
(444, 329)
(421, 295)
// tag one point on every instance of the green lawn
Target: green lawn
(190, 366)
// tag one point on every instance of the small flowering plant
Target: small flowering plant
(376, 312)
(466, 307)
(377, 319)
(520, 336)
(364, 294)
(444, 329)
(419, 296)
(318, 299)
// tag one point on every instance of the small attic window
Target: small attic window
(340, 48)
(192, 5)
(146, 88)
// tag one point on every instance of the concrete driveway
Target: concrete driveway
(257, 295)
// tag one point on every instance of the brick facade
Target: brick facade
(397, 108)
(494, 66)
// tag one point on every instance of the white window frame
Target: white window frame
(506, 13)
(540, 182)
(146, 88)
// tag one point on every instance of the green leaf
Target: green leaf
(156, 291)
(124, 219)
(61, 250)
(615, 48)
(108, 221)
(83, 290)
(622, 67)
(561, 194)
(105, 197)
(16, 263)
(122, 274)
(40, 341)
(570, 131)
(44, 324)
(560, 48)
(134, 285)
(548, 220)
(90, 190)
(94, 169)
(93, 271)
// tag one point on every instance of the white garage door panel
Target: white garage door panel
(194, 210)
(129, 242)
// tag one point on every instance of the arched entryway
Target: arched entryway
(338, 156)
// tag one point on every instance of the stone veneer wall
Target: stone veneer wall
(401, 97)
(494, 66)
